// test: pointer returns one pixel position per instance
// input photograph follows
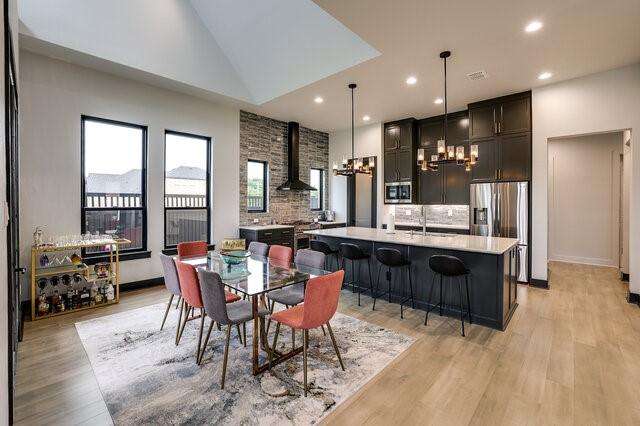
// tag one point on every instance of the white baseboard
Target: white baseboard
(585, 260)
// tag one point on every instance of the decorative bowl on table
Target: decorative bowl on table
(235, 257)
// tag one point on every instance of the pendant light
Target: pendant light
(447, 154)
(351, 166)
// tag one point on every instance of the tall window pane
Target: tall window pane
(114, 186)
(186, 187)
(256, 186)
(317, 196)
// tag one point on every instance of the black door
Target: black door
(486, 167)
(391, 137)
(13, 237)
(430, 132)
(404, 165)
(515, 116)
(515, 157)
(430, 184)
(456, 184)
(482, 122)
(406, 135)
(390, 168)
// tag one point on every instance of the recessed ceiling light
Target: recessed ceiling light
(533, 26)
(411, 80)
(318, 100)
(438, 101)
(366, 118)
(545, 75)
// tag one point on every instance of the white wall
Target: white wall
(596, 103)
(53, 96)
(626, 196)
(368, 142)
(584, 199)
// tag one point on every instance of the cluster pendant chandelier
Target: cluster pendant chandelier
(351, 166)
(447, 154)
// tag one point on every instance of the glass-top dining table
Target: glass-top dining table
(261, 276)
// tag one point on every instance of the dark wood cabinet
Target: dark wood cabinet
(501, 128)
(515, 157)
(400, 151)
(430, 184)
(486, 168)
(456, 184)
(505, 115)
(430, 131)
(279, 235)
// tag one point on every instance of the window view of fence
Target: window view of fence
(256, 186)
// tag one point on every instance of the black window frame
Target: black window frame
(125, 253)
(320, 190)
(164, 185)
(265, 186)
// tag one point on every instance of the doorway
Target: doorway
(362, 199)
(585, 198)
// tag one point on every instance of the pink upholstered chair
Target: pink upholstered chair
(320, 304)
(192, 296)
(193, 248)
(281, 255)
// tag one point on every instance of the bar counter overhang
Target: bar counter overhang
(491, 261)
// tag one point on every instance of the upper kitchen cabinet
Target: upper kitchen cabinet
(430, 130)
(505, 115)
(399, 135)
(400, 151)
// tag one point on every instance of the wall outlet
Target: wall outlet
(450, 212)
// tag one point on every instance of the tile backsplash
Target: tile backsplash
(436, 214)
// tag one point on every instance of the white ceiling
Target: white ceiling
(251, 50)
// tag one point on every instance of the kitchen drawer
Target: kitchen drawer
(265, 234)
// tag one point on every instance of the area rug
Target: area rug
(146, 379)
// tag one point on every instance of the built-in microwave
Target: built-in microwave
(397, 193)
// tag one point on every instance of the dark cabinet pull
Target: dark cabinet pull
(268, 233)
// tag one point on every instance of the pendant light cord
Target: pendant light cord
(352, 86)
(445, 99)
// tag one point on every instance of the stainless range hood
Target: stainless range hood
(293, 182)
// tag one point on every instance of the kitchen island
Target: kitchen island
(491, 260)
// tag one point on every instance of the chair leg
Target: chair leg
(433, 284)
(239, 333)
(461, 305)
(413, 304)
(466, 283)
(440, 295)
(354, 284)
(166, 312)
(377, 287)
(186, 310)
(244, 333)
(305, 338)
(323, 332)
(206, 342)
(226, 356)
(200, 337)
(179, 321)
(370, 277)
(178, 301)
(275, 342)
(272, 306)
(389, 283)
(335, 345)
(401, 288)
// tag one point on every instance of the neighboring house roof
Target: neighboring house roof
(185, 172)
(103, 183)
(129, 182)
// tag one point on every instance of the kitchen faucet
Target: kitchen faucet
(423, 219)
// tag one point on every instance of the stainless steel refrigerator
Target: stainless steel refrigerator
(501, 209)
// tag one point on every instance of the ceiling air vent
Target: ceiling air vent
(477, 75)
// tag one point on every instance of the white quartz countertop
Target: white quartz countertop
(325, 222)
(471, 243)
(434, 225)
(264, 227)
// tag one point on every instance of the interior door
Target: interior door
(15, 271)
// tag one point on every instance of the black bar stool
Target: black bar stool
(392, 259)
(354, 253)
(322, 247)
(450, 267)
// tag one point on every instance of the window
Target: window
(187, 168)
(256, 186)
(114, 189)
(317, 181)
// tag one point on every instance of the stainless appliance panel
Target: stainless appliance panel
(397, 193)
(512, 211)
(482, 209)
(522, 264)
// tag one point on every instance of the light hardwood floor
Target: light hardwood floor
(571, 355)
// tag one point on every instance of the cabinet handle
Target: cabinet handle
(499, 127)
(495, 128)
(497, 173)
(268, 233)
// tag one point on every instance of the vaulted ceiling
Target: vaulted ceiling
(274, 57)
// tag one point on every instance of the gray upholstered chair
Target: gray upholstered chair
(261, 249)
(294, 295)
(223, 313)
(173, 285)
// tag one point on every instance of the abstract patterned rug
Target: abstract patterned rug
(146, 379)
